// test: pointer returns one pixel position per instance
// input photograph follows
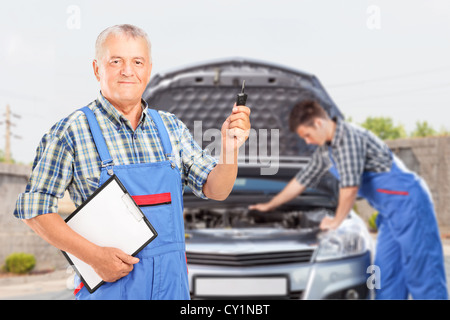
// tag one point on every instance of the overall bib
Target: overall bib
(409, 250)
(156, 187)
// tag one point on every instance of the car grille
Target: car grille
(249, 260)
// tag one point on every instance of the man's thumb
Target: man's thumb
(129, 259)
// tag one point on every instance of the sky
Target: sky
(375, 58)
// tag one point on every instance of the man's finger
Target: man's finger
(128, 259)
(239, 115)
(238, 123)
(244, 109)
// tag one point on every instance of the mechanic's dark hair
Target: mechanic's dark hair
(304, 113)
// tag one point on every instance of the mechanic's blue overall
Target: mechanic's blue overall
(161, 272)
(409, 250)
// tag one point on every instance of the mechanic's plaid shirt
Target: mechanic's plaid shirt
(354, 150)
(68, 159)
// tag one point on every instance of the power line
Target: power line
(399, 93)
(399, 76)
(21, 96)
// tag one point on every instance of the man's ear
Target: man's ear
(96, 71)
(318, 123)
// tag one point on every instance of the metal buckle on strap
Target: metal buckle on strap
(108, 164)
(169, 157)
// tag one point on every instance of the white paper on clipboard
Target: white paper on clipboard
(109, 218)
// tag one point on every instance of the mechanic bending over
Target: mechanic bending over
(409, 250)
(152, 152)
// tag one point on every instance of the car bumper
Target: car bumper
(335, 279)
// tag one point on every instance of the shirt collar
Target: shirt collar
(338, 133)
(115, 115)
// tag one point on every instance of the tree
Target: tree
(384, 128)
(423, 129)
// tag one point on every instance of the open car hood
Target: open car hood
(207, 91)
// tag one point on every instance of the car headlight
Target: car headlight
(350, 239)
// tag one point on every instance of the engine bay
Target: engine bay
(213, 218)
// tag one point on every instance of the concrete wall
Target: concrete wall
(15, 236)
(430, 158)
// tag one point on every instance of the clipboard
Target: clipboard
(109, 218)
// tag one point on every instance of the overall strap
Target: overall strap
(99, 140)
(162, 132)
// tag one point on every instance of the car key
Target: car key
(241, 97)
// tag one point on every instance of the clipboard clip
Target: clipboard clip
(126, 198)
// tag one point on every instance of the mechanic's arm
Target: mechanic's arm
(292, 189)
(347, 197)
(235, 131)
(110, 264)
(297, 185)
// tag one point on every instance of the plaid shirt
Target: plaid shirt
(353, 150)
(67, 157)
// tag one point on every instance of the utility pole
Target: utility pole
(8, 125)
(8, 135)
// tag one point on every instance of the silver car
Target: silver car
(233, 252)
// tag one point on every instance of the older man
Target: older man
(151, 152)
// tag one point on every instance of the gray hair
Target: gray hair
(121, 29)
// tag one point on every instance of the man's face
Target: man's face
(123, 69)
(315, 134)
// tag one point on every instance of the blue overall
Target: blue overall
(161, 272)
(409, 250)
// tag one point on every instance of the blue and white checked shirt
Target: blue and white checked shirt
(68, 159)
(354, 150)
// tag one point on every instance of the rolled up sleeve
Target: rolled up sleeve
(316, 167)
(51, 174)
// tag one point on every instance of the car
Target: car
(233, 252)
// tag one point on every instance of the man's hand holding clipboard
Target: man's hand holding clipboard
(111, 264)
